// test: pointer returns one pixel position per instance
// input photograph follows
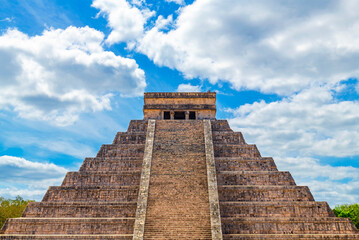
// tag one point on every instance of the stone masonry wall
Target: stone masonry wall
(259, 202)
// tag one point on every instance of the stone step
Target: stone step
(233, 150)
(130, 138)
(137, 126)
(228, 138)
(80, 209)
(123, 150)
(69, 226)
(243, 158)
(254, 178)
(237, 164)
(180, 149)
(290, 236)
(91, 194)
(178, 202)
(175, 236)
(283, 225)
(169, 139)
(174, 165)
(83, 179)
(276, 209)
(111, 164)
(264, 193)
(67, 237)
(220, 125)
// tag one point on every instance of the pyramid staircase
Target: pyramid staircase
(155, 182)
(178, 203)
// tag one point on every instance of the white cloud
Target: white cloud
(188, 88)
(61, 73)
(327, 183)
(49, 168)
(7, 19)
(311, 122)
(27, 194)
(180, 2)
(26, 178)
(268, 45)
(127, 21)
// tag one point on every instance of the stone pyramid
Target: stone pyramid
(178, 174)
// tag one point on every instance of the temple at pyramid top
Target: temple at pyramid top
(178, 174)
(180, 105)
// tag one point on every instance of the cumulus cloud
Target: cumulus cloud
(26, 178)
(127, 21)
(312, 122)
(268, 45)
(337, 185)
(61, 73)
(36, 169)
(188, 88)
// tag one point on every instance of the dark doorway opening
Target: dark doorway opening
(192, 115)
(180, 115)
(166, 115)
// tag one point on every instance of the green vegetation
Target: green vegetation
(11, 208)
(348, 211)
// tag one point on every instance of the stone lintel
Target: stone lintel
(180, 106)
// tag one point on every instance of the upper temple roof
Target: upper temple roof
(189, 105)
(180, 95)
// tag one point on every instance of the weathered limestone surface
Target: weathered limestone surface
(67, 236)
(144, 184)
(259, 202)
(255, 178)
(130, 138)
(98, 202)
(307, 209)
(291, 236)
(106, 178)
(245, 164)
(234, 150)
(179, 179)
(125, 150)
(215, 215)
(111, 164)
(178, 203)
(70, 225)
(202, 103)
(296, 225)
(91, 194)
(78, 209)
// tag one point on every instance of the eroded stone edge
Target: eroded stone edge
(139, 226)
(216, 226)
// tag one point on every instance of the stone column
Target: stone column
(187, 115)
(172, 115)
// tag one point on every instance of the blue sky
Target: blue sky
(73, 73)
